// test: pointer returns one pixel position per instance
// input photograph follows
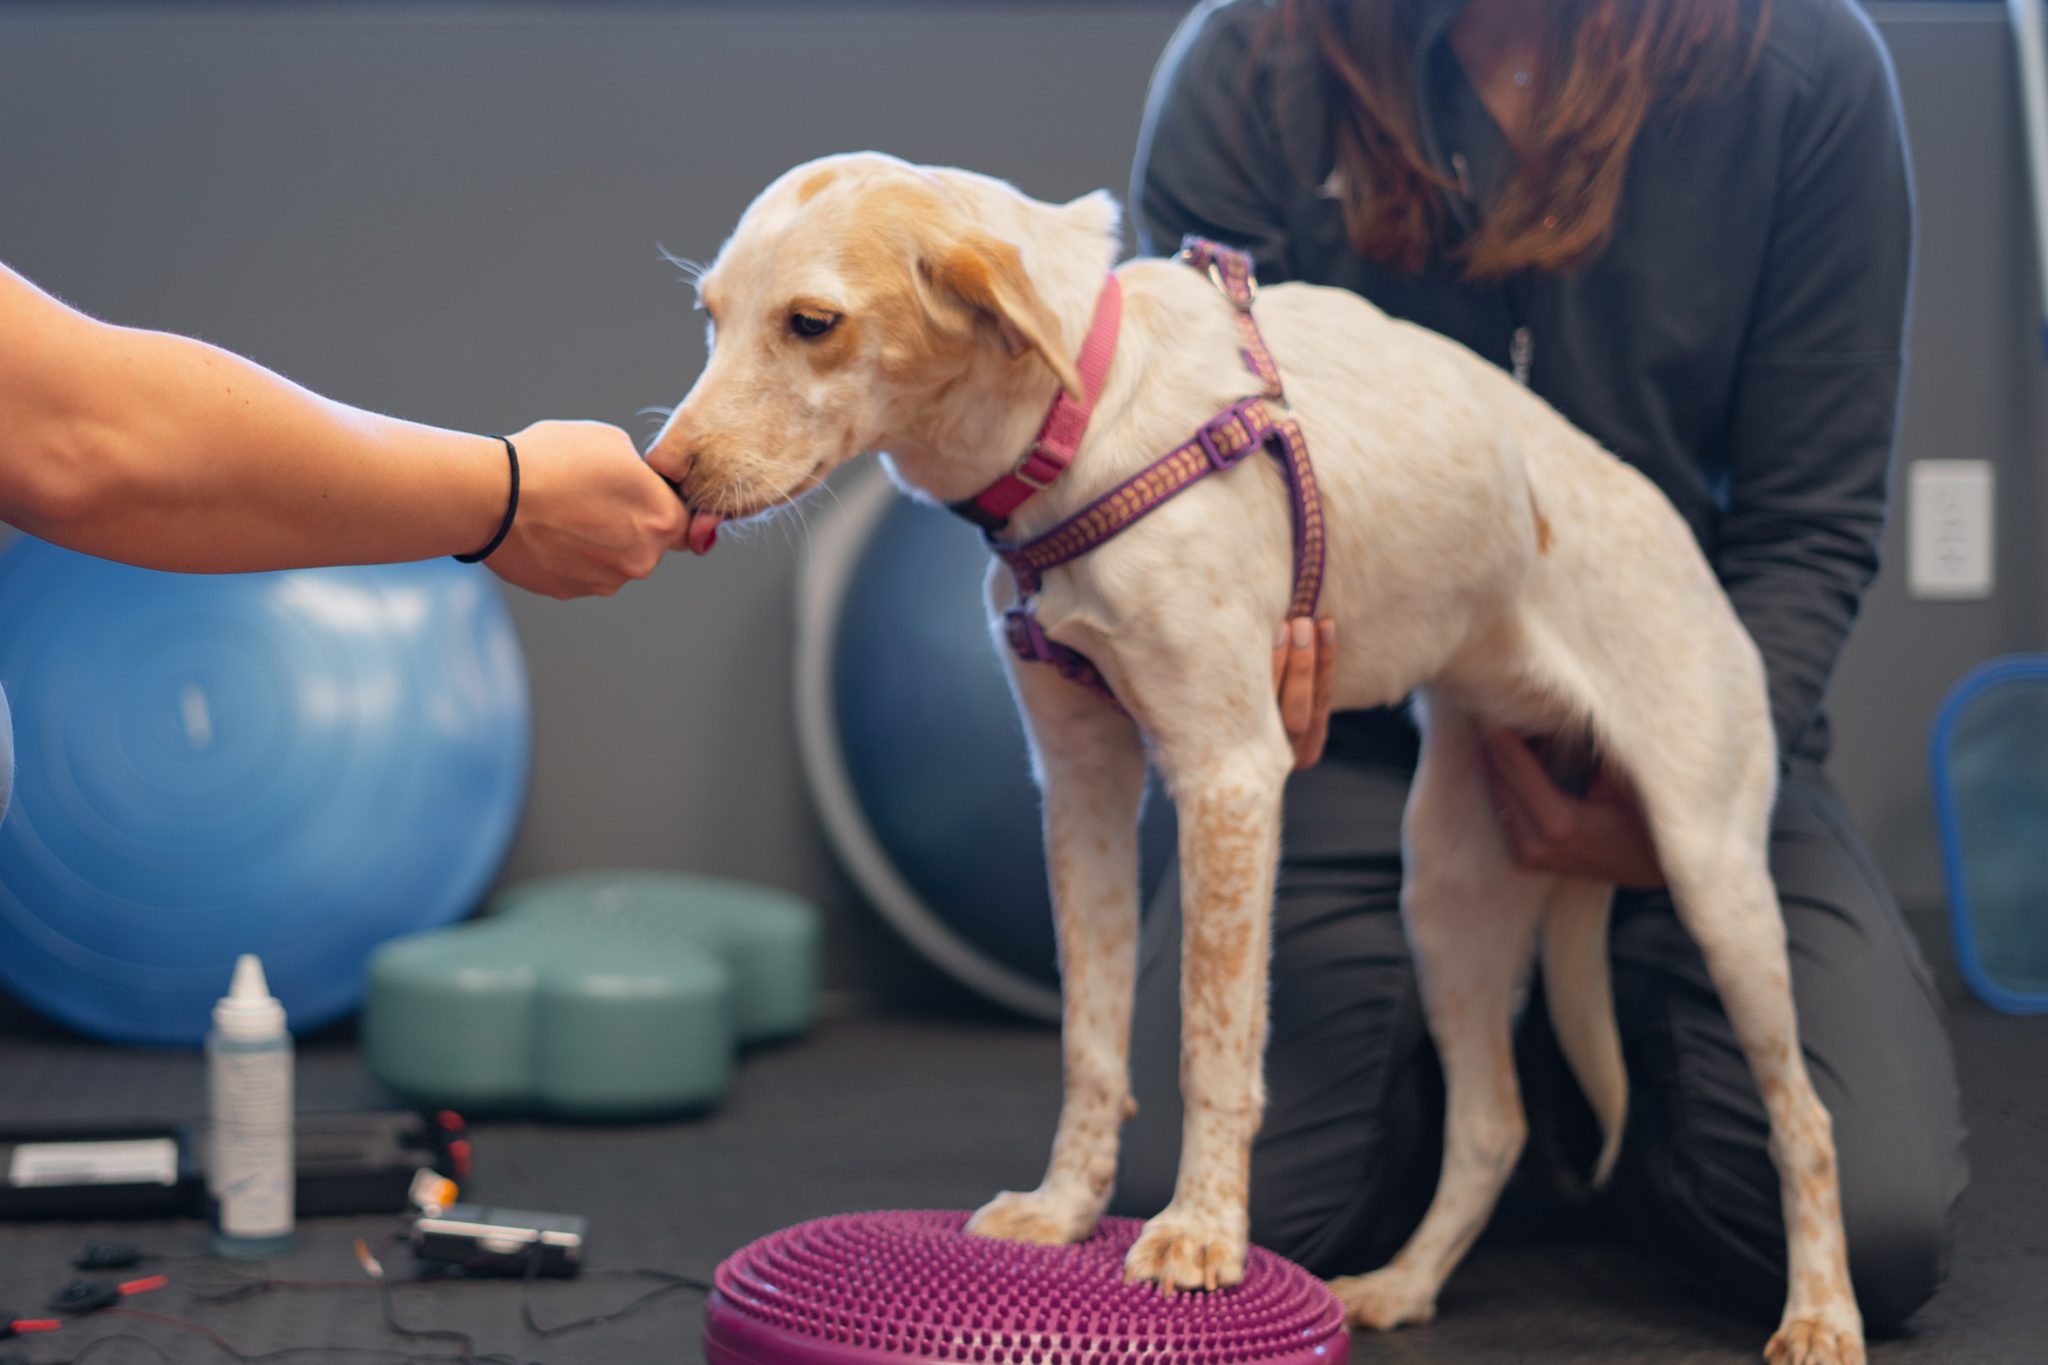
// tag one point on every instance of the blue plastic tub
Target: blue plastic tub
(1990, 757)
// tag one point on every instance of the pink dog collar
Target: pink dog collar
(1059, 436)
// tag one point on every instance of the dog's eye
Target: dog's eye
(809, 325)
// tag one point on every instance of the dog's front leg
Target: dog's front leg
(1228, 800)
(1091, 765)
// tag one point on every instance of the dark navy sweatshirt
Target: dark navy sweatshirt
(1740, 340)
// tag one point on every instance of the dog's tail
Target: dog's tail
(1577, 986)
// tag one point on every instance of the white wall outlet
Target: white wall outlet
(1948, 530)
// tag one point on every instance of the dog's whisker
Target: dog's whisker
(691, 271)
(825, 487)
(803, 521)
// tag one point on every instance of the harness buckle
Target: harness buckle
(1242, 302)
(1027, 638)
(1205, 437)
(1036, 459)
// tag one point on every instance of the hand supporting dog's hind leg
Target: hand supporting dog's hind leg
(1229, 844)
(1092, 767)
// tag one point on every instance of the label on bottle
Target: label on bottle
(249, 1174)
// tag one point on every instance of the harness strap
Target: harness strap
(1231, 272)
(1029, 642)
(1260, 422)
(1249, 425)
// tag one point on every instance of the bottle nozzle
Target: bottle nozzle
(249, 983)
(249, 1010)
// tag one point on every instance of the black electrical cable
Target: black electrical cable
(122, 1338)
(666, 1283)
(122, 1255)
(386, 1353)
(465, 1343)
(250, 1288)
(669, 1284)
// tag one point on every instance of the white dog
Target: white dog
(1483, 556)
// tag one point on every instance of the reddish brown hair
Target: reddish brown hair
(1607, 65)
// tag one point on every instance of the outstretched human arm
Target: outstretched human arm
(169, 453)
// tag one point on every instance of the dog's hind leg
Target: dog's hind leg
(1471, 919)
(1578, 987)
(1091, 765)
(1720, 881)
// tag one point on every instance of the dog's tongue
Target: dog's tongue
(703, 532)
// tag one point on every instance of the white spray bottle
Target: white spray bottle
(249, 1168)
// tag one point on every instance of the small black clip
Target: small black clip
(83, 1296)
(106, 1256)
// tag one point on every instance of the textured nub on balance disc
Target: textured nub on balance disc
(877, 1288)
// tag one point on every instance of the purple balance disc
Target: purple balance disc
(891, 1288)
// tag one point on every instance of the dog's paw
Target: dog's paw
(1817, 1339)
(1187, 1251)
(1035, 1216)
(1386, 1299)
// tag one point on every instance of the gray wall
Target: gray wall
(1975, 390)
(451, 212)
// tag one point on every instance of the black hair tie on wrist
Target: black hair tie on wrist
(511, 509)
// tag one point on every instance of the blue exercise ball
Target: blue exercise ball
(299, 765)
(913, 748)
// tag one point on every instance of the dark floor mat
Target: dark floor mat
(890, 1113)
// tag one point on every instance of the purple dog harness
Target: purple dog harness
(1259, 422)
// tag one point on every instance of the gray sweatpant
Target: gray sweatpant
(1347, 1158)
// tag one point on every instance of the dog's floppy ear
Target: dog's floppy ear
(982, 281)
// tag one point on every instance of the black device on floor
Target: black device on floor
(492, 1241)
(347, 1163)
(100, 1171)
(365, 1163)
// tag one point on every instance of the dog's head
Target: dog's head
(855, 295)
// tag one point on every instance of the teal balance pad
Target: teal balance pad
(603, 994)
